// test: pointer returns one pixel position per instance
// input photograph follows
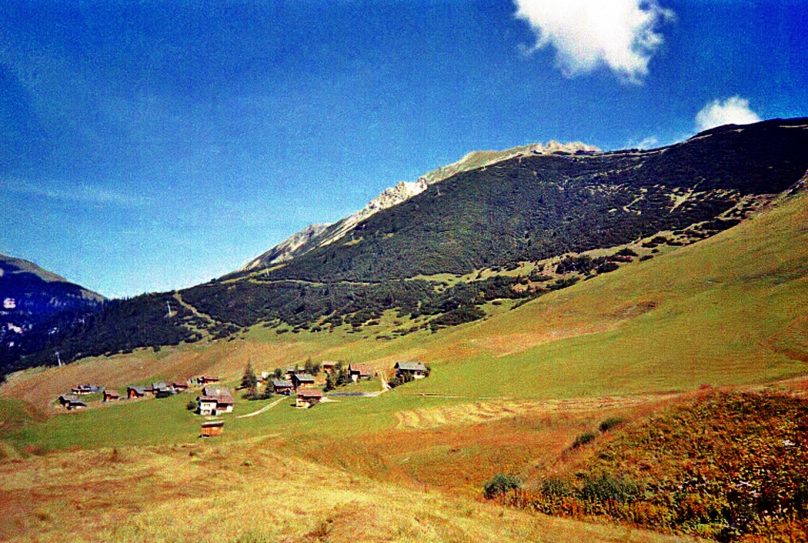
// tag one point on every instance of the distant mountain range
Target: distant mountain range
(494, 225)
(31, 297)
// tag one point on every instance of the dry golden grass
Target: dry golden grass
(246, 492)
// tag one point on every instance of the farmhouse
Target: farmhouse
(215, 400)
(206, 405)
(282, 387)
(360, 372)
(212, 428)
(302, 379)
(308, 397)
(414, 370)
(111, 395)
(135, 392)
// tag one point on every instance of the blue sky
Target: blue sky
(154, 146)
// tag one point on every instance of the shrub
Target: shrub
(609, 487)
(500, 484)
(610, 423)
(583, 439)
(191, 405)
(556, 487)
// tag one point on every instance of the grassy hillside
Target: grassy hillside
(507, 394)
(500, 217)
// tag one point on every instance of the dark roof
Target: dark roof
(68, 397)
(281, 383)
(179, 384)
(410, 366)
(310, 393)
(304, 377)
(77, 403)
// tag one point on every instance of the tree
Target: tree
(278, 373)
(329, 382)
(249, 380)
(308, 367)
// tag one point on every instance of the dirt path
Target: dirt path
(263, 409)
(192, 309)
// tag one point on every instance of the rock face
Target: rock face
(287, 249)
(319, 235)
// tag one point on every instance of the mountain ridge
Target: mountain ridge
(319, 235)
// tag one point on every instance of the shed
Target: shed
(329, 366)
(212, 428)
(65, 399)
(360, 371)
(205, 379)
(179, 386)
(280, 386)
(416, 370)
(302, 379)
(308, 397)
(111, 395)
(135, 392)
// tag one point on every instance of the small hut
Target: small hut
(111, 395)
(308, 398)
(212, 428)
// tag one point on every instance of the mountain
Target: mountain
(31, 297)
(537, 221)
(319, 235)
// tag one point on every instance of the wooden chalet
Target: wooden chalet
(135, 392)
(212, 428)
(300, 380)
(281, 386)
(179, 386)
(416, 370)
(206, 379)
(308, 397)
(360, 372)
(111, 395)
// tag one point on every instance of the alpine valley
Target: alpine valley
(547, 343)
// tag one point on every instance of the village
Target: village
(308, 385)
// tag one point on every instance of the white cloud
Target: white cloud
(587, 34)
(80, 193)
(733, 110)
